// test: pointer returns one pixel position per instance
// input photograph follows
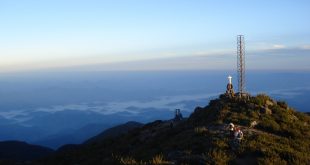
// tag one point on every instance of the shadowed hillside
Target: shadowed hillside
(115, 131)
(21, 152)
(273, 133)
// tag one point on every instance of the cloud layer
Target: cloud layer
(169, 103)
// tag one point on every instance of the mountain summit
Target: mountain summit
(273, 133)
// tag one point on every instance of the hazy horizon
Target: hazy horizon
(152, 35)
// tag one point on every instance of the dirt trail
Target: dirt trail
(223, 129)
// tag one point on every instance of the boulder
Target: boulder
(253, 124)
(269, 103)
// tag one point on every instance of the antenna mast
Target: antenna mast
(241, 64)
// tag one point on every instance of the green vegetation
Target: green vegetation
(271, 116)
(274, 133)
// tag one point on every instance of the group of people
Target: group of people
(235, 132)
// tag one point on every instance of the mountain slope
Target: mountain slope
(280, 136)
(21, 151)
(115, 131)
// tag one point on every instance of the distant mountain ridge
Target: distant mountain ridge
(73, 137)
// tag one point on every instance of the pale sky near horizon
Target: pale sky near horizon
(38, 34)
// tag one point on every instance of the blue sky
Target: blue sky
(152, 34)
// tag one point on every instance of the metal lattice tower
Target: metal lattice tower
(241, 64)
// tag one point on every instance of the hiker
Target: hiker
(231, 128)
(238, 135)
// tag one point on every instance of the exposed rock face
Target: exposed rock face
(270, 103)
